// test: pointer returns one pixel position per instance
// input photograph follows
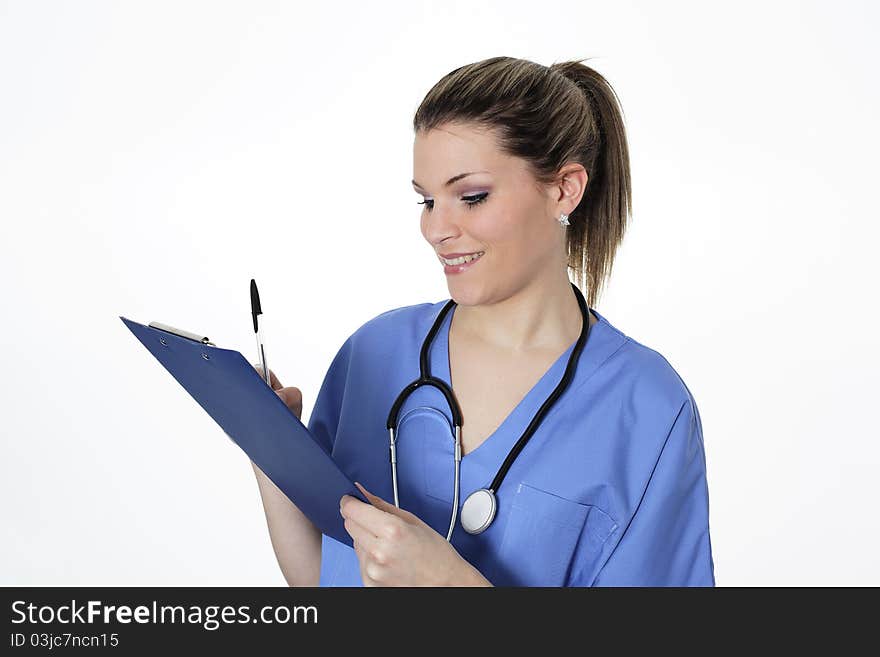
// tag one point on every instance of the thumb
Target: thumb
(382, 505)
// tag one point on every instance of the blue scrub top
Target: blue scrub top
(610, 490)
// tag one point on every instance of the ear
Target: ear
(382, 505)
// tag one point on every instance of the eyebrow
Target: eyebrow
(451, 180)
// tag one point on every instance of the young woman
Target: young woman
(582, 448)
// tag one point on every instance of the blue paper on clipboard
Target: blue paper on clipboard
(231, 390)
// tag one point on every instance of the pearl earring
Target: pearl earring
(563, 219)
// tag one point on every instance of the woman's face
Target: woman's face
(497, 210)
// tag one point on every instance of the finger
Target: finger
(362, 565)
(387, 507)
(364, 558)
(291, 396)
(372, 572)
(364, 539)
(375, 520)
(274, 382)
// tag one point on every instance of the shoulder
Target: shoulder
(392, 326)
(646, 374)
(381, 338)
(651, 402)
(403, 315)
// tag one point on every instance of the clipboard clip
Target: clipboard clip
(181, 333)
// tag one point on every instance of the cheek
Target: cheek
(512, 234)
(523, 245)
(494, 228)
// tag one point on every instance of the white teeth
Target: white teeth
(461, 260)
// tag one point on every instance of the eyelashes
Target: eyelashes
(470, 201)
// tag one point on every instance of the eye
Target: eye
(470, 201)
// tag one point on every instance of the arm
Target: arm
(295, 539)
(667, 540)
(477, 579)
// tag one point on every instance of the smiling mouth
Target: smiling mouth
(462, 259)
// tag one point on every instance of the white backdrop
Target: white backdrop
(154, 156)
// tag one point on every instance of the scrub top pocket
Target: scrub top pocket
(541, 537)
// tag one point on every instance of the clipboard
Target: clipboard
(231, 390)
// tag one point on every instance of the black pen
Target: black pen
(256, 310)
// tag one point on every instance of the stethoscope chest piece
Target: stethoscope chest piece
(478, 511)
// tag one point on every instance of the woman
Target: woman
(524, 173)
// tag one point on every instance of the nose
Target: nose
(439, 225)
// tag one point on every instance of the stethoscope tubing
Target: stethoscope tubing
(426, 379)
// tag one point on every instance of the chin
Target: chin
(467, 294)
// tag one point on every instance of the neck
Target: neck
(543, 315)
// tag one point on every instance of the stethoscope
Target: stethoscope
(478, 510)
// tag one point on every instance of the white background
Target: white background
(154, 156)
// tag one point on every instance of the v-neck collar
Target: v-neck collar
(495, 447)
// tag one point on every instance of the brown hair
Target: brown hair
(550, 116)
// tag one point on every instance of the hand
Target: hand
(395, 548)
(292, 397)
